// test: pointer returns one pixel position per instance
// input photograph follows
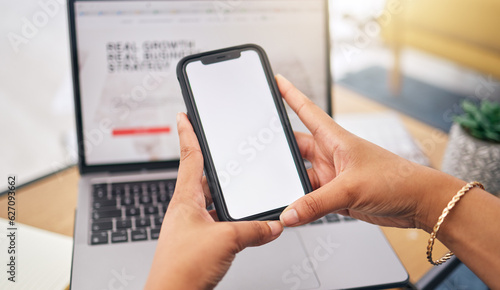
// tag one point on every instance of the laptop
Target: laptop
(124, 55)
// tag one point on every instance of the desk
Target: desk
(50, 203)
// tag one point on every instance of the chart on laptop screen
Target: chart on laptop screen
(128, 51)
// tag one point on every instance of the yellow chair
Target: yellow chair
(464, 31)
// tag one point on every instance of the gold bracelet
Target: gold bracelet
(446, 210)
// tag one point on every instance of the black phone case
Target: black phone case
(192, 112)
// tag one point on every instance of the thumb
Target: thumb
(331, 197)
(256, 233)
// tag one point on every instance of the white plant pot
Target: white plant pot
(471, 159)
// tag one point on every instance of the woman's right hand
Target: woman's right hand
(354, 177)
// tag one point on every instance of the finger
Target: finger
(206, 191)
(311, 115)
(191, 159)
(306, 145)
(333, 196)
(256, 233)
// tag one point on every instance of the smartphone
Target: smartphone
(252, 162)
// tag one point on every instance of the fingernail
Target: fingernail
(289, 217)
(282, 77)
(178, 117)
(275, 227)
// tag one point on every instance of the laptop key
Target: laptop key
(163, 198)
(100, 214)
(132, 211)
(163, 209)
(118, 190)
(127, 200)
(171, 183)
(348, 219)
(100, 193)
(317, 222)
(150, 209)
(158, 221)
(153, 188)
(136, 188)
(170, 188)
(155, 234)
(139, 235)
(142, 222)
(332, 218)
(102, 226)
(119, 236)
(104, 203)
(124, 224)
(99, 238)
(145, 199)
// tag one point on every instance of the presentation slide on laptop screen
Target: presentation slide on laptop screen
(128, 52)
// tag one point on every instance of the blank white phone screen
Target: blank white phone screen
(252, 158)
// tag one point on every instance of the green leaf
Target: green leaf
(496, 109)
(495, 113)
(496, 128)
(466, 122)
(493, 136)
(495, 119)
(478, 134)
(487, 124)
(470, 108)
(480, 118)
(491, 110)
(487, 107)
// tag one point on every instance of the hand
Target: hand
(194, 251)
(354, 177)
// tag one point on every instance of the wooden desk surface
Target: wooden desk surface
(50, 203)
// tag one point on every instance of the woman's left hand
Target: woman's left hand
(194, 251)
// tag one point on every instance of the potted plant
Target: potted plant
(473, 151)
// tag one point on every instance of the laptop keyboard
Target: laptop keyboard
(129, 212)
(332, 218)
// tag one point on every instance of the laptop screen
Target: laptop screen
(127, 52)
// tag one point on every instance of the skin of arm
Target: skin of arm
(354, 177)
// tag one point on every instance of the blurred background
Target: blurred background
(418, 57)
(36, 103)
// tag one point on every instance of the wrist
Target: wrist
(174, 272)
(434, 195)
(174, 280)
